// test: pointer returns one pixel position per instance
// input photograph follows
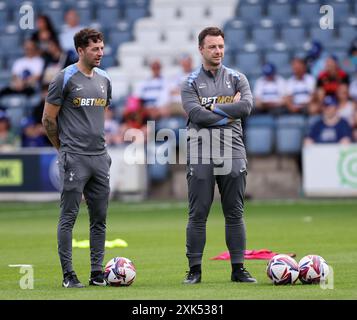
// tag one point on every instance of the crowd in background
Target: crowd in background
(318, 88)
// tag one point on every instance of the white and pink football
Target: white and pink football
(120, 271)
(282, 269)
(313, 269)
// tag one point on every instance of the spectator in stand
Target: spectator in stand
(171, 96)
(33, 134)
(150, 90)
(316, 59)
(69, 29)
(346, 108)
(135, 116)
(331, 78)
(331, 128)
(299, 88)
(8, 141)
(269, 91)
(26, 71)
(55, 61)
(45, 32)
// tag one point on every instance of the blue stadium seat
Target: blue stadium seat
(308, 11)
(235, 38)
(250, 12)
(324, 36)
(15, 105)
(290, 132)
(294, 37)
(4, 15)
(264, 37)
(119, 34)
(249, 62)
(108, 13)
(347, 33)
(136, 9)
(235, 34)
(11, 37)
(259, 134)
(85, 10)
(280, 11)
(55, 11)
(341, 10)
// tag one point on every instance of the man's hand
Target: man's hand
(237, 97)
(208, 106)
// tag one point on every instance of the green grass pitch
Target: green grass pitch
(155, 233)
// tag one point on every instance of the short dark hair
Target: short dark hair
(82, 37)
(209, 31)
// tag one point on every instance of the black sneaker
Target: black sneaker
(192, 277)
(70, 280)
(242, 275)
(97, 279)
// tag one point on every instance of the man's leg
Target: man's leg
(73, 176)
(201, 184)
(96, 193)
(232, 189)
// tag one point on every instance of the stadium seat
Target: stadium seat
(347, 33)
(108, 13)
(85, 11)
(10, 37)
(119, 34)
(308, 11)
(294, 37)
(290, 132)
(279, 11)
(324, 36)
(259, 134)
(4, 15)
(136, 9)
(249, 62)
(55, 11)
(15, 105)
(341, 9)
(250, 12)
(197, 9)
(235, 34)
(264, 37)
(164, 10)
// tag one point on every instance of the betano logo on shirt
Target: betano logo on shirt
(89, 102)
(219, 99)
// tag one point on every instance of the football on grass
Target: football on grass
(282, 269)
(120, 271)
(313, 269)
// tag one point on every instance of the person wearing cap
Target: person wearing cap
(331, 128)
(269, 91)
(331, 78)
(33, 134)
(8, 141)
(316, 58)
